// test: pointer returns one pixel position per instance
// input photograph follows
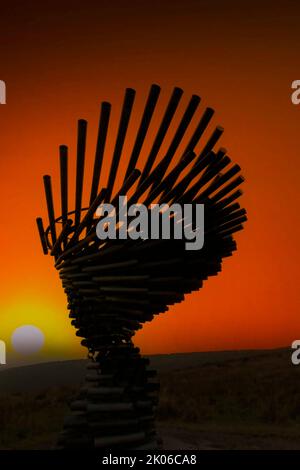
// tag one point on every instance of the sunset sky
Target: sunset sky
(61, 59)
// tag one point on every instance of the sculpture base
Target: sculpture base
(116, 406)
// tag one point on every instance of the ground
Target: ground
(235, 400)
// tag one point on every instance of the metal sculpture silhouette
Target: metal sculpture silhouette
(114, 286)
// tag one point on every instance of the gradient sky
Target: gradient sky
(61, 59)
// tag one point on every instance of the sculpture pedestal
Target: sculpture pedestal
(116, 405)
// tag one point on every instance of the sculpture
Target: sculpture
(114, 286)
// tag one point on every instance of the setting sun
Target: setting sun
(58, 334)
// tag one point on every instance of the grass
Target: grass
(32, 421)
(248, 399)
(261, 390)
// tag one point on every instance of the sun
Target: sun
(39, 327)
(27, 339)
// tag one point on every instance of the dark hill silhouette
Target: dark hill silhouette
(71, 373)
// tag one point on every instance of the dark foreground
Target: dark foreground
(240, 400)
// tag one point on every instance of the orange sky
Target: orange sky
(60, 62)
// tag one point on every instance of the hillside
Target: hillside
(70, 373)
(222, 400)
